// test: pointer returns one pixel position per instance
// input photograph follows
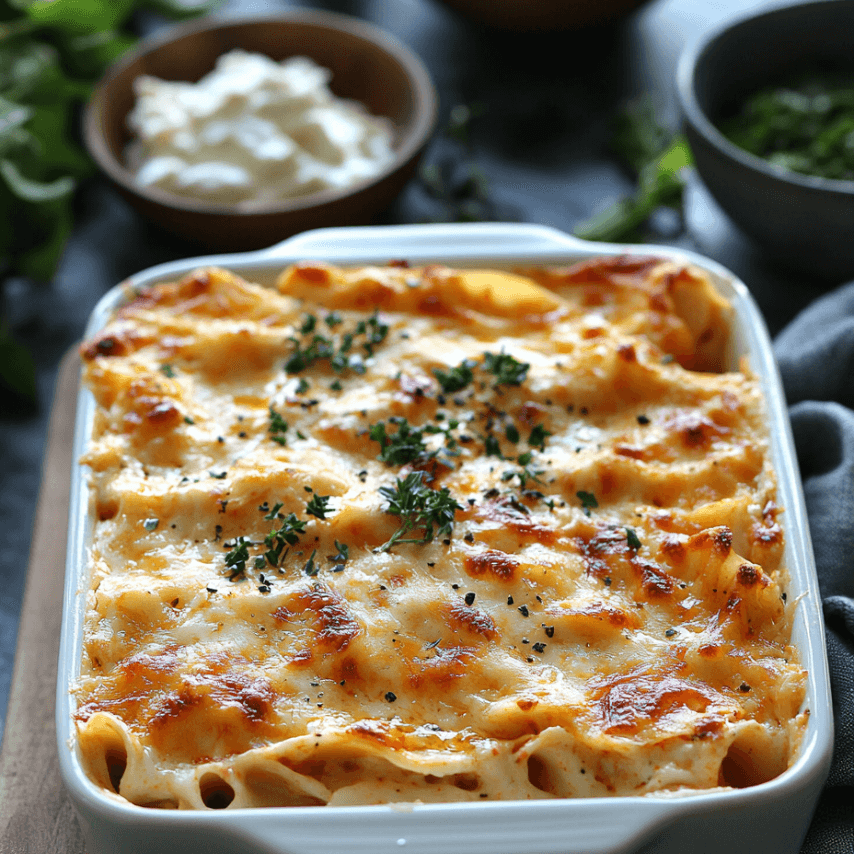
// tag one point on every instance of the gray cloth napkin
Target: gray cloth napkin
(816, 357)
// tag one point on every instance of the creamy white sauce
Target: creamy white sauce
(253, 129)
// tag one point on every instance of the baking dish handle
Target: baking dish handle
(447, 241)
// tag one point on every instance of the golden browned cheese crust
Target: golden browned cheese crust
(396, 534)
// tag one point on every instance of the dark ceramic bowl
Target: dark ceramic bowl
(543, 15)
(366, 63)
(805, 223)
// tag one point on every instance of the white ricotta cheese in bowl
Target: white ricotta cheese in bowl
(253, 129)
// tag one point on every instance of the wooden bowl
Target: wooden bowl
(367, 65)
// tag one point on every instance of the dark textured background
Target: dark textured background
(548, 101)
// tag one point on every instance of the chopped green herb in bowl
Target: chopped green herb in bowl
(805, 125)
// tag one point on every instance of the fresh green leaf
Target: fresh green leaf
(79, 16)
(30, 190)
(17, 370)
(178, 10)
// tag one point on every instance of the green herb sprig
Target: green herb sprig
(420, 508)
(312, 347)
(658, 159)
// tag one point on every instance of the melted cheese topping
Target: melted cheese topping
(392, 534)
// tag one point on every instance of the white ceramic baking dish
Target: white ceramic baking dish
(771, 818)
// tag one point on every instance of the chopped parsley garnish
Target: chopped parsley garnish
(419, 508)
(526, 472)
(151, 524)
(511, 433)
(492, 448)
(305, 355)
(311, 568)
(221, 475)
(538, 437)
(188, 420)
(287, 535)
(507, 370)
(278, 427)
(168, 370)
(374, 331)
(404, 446)
(632, 539)
(313, 346)
(588, 501)
(236, 559)
(457, 378)
(801, 124)
(318, 506)
(343, 554)
(303, 386)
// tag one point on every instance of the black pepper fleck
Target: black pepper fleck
(469, 599)
(390, 696)
(523, 610)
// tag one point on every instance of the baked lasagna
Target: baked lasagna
(423, 534)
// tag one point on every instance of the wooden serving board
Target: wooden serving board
(36, 816)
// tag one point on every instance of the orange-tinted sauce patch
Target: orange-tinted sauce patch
(694, 429)
(508, 513)
(472, 620)
(443, 667)
(630, 702)
(497, 564)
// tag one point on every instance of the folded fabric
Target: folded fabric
(816, 357)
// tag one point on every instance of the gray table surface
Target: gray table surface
(541, 142)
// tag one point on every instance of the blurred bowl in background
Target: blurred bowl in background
(803, 222)
(543, 15)
(367, 65)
